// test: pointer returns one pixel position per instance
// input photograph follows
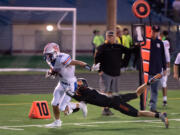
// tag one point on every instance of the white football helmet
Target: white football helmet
(51, 50)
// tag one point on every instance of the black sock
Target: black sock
(157, 115)
(75, 110)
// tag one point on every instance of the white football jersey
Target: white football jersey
(177, 61)
(166, 50)
(61, 65)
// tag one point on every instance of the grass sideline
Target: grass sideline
(15, 109)
(8, 61)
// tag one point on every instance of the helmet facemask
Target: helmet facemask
(49, 57)
(81, 82)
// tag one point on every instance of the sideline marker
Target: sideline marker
(39, 110)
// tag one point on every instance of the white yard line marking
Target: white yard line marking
(93, 124)
(15, 104)
(14, 120)
(7, 128)
(174, 113)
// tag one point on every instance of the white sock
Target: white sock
(81, 105)
(58, 120)
(72, 105)
(165, 98)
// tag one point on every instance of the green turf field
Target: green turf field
(14, 110)
(8, 61)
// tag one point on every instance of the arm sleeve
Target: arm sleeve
(166, 50)
(95, 40)
(99, 55)
(124, 49)
(75, 96)
(50, 64)
(78, 98)
(177, 61)
(163, 57)
(66, 59)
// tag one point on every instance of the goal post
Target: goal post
(52, 9)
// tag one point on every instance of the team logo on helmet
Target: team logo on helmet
(51, 48)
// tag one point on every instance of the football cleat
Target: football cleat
(55, 124)
(83, 107)
(164, 103)
(107, 112)
(163, 117)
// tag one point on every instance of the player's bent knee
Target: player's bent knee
(62, 108)
(164, 85)
(54, 103)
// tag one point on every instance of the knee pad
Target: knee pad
(62, 107)
(164, 81)
(54, 103)
(164, 84)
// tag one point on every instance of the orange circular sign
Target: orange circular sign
(141, 9)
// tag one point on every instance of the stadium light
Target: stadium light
(49, 28)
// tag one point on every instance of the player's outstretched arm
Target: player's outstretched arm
(77, 62)
(75, 95)
(175, 72)
(154, 78)
(85, 65)
(141, 88)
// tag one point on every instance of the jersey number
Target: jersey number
(43, 109)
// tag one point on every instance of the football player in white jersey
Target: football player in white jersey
(166, 43)
(176, 67)
(62, 65)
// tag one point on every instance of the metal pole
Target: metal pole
(140, 76)
(74, 35)
(141, 79)
(111, 15)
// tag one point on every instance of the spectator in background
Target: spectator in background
(109, 55)
(157, 64)
(128, 44)
(120, 39)
(177, 67)
(97, 40)
(135, 53)
(166, 42)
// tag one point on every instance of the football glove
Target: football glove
(69, 92)
(94, 67)
(168, 71)
(51, 74)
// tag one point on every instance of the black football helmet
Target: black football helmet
(82, 82)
